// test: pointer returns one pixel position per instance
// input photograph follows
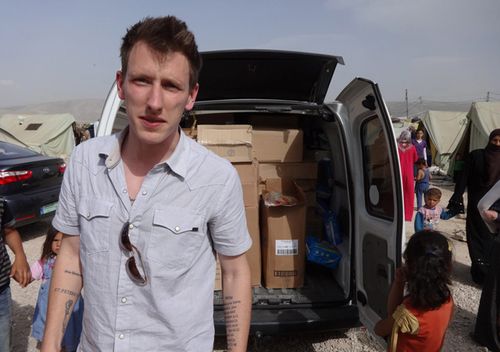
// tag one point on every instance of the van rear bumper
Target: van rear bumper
(274, 320)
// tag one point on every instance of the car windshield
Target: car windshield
(11, 151)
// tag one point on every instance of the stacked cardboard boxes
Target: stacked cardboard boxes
(269, 160)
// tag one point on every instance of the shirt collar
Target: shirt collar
(178, 161)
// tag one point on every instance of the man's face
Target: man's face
(156, 93)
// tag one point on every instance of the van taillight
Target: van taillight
(7, 177)
(62, 168)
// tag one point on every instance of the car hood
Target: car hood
(266, 74)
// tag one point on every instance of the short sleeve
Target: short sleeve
(228, 226)
(66, 218)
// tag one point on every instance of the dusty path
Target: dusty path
(466, 295)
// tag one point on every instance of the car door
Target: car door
(378, 207)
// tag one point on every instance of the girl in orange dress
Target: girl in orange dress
(418, 320)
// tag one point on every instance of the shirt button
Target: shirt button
(144, 193)
(124, 299)
(121, 336)
(177, 229)
(131, 226)
(124, 190)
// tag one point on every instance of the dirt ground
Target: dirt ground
(466, 295)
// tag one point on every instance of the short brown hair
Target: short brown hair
(433, 192)
(164, 35)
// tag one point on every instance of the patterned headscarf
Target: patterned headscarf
(404, 140)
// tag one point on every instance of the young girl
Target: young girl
(422, 180)
(428, 216)
(42, 270)
(418, 320)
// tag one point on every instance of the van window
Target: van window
(377, 170)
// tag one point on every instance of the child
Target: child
(418, 321)
(428, 216)
(42, 270)
(422, 179)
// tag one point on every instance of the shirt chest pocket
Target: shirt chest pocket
(94, 217)
(176, 238)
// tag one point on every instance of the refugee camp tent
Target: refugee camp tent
(49, 134)
(445, 130)
(484, 117)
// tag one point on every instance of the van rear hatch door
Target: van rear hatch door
(266, 74)
(378, 209)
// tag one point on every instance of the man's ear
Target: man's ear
(192, 97)
(119, 84)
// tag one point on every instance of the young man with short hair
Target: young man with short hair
(143, 213)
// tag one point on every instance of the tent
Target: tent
(49, 134)
(445, 130)
(484, 117)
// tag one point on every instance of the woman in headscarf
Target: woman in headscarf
(407, 158)
(481, 172)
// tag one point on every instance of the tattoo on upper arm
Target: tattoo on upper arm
(71, 272)
(232, 321)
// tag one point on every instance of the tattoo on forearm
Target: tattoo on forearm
(67, 313)
(72, 272)
(232, 321)
(66, 292)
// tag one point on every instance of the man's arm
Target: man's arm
(20, 268)
(64, 291)
(237, 294)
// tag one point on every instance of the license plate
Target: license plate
(49, 208)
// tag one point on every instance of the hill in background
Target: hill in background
(89, 110)
(84, 110)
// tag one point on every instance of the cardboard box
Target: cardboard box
(303, 170)
(283, 238)
(248, 173)
(278, 145)
(253, 254)
(233, 142)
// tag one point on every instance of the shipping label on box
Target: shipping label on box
(232, 142)
(278, 145)
(287, 247)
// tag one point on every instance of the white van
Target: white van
(354, 135)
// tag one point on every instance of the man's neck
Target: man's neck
(140, 157)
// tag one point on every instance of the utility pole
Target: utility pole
(487, 96)
(406, 99)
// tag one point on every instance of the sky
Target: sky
(436, 50)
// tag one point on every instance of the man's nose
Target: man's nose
(155, 98)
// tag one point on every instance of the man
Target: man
(19, 270)
(143, 212)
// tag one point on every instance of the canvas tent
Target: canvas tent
(445, 130)
(483, 117)
(49, 134)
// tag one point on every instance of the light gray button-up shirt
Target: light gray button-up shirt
(187, 207)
